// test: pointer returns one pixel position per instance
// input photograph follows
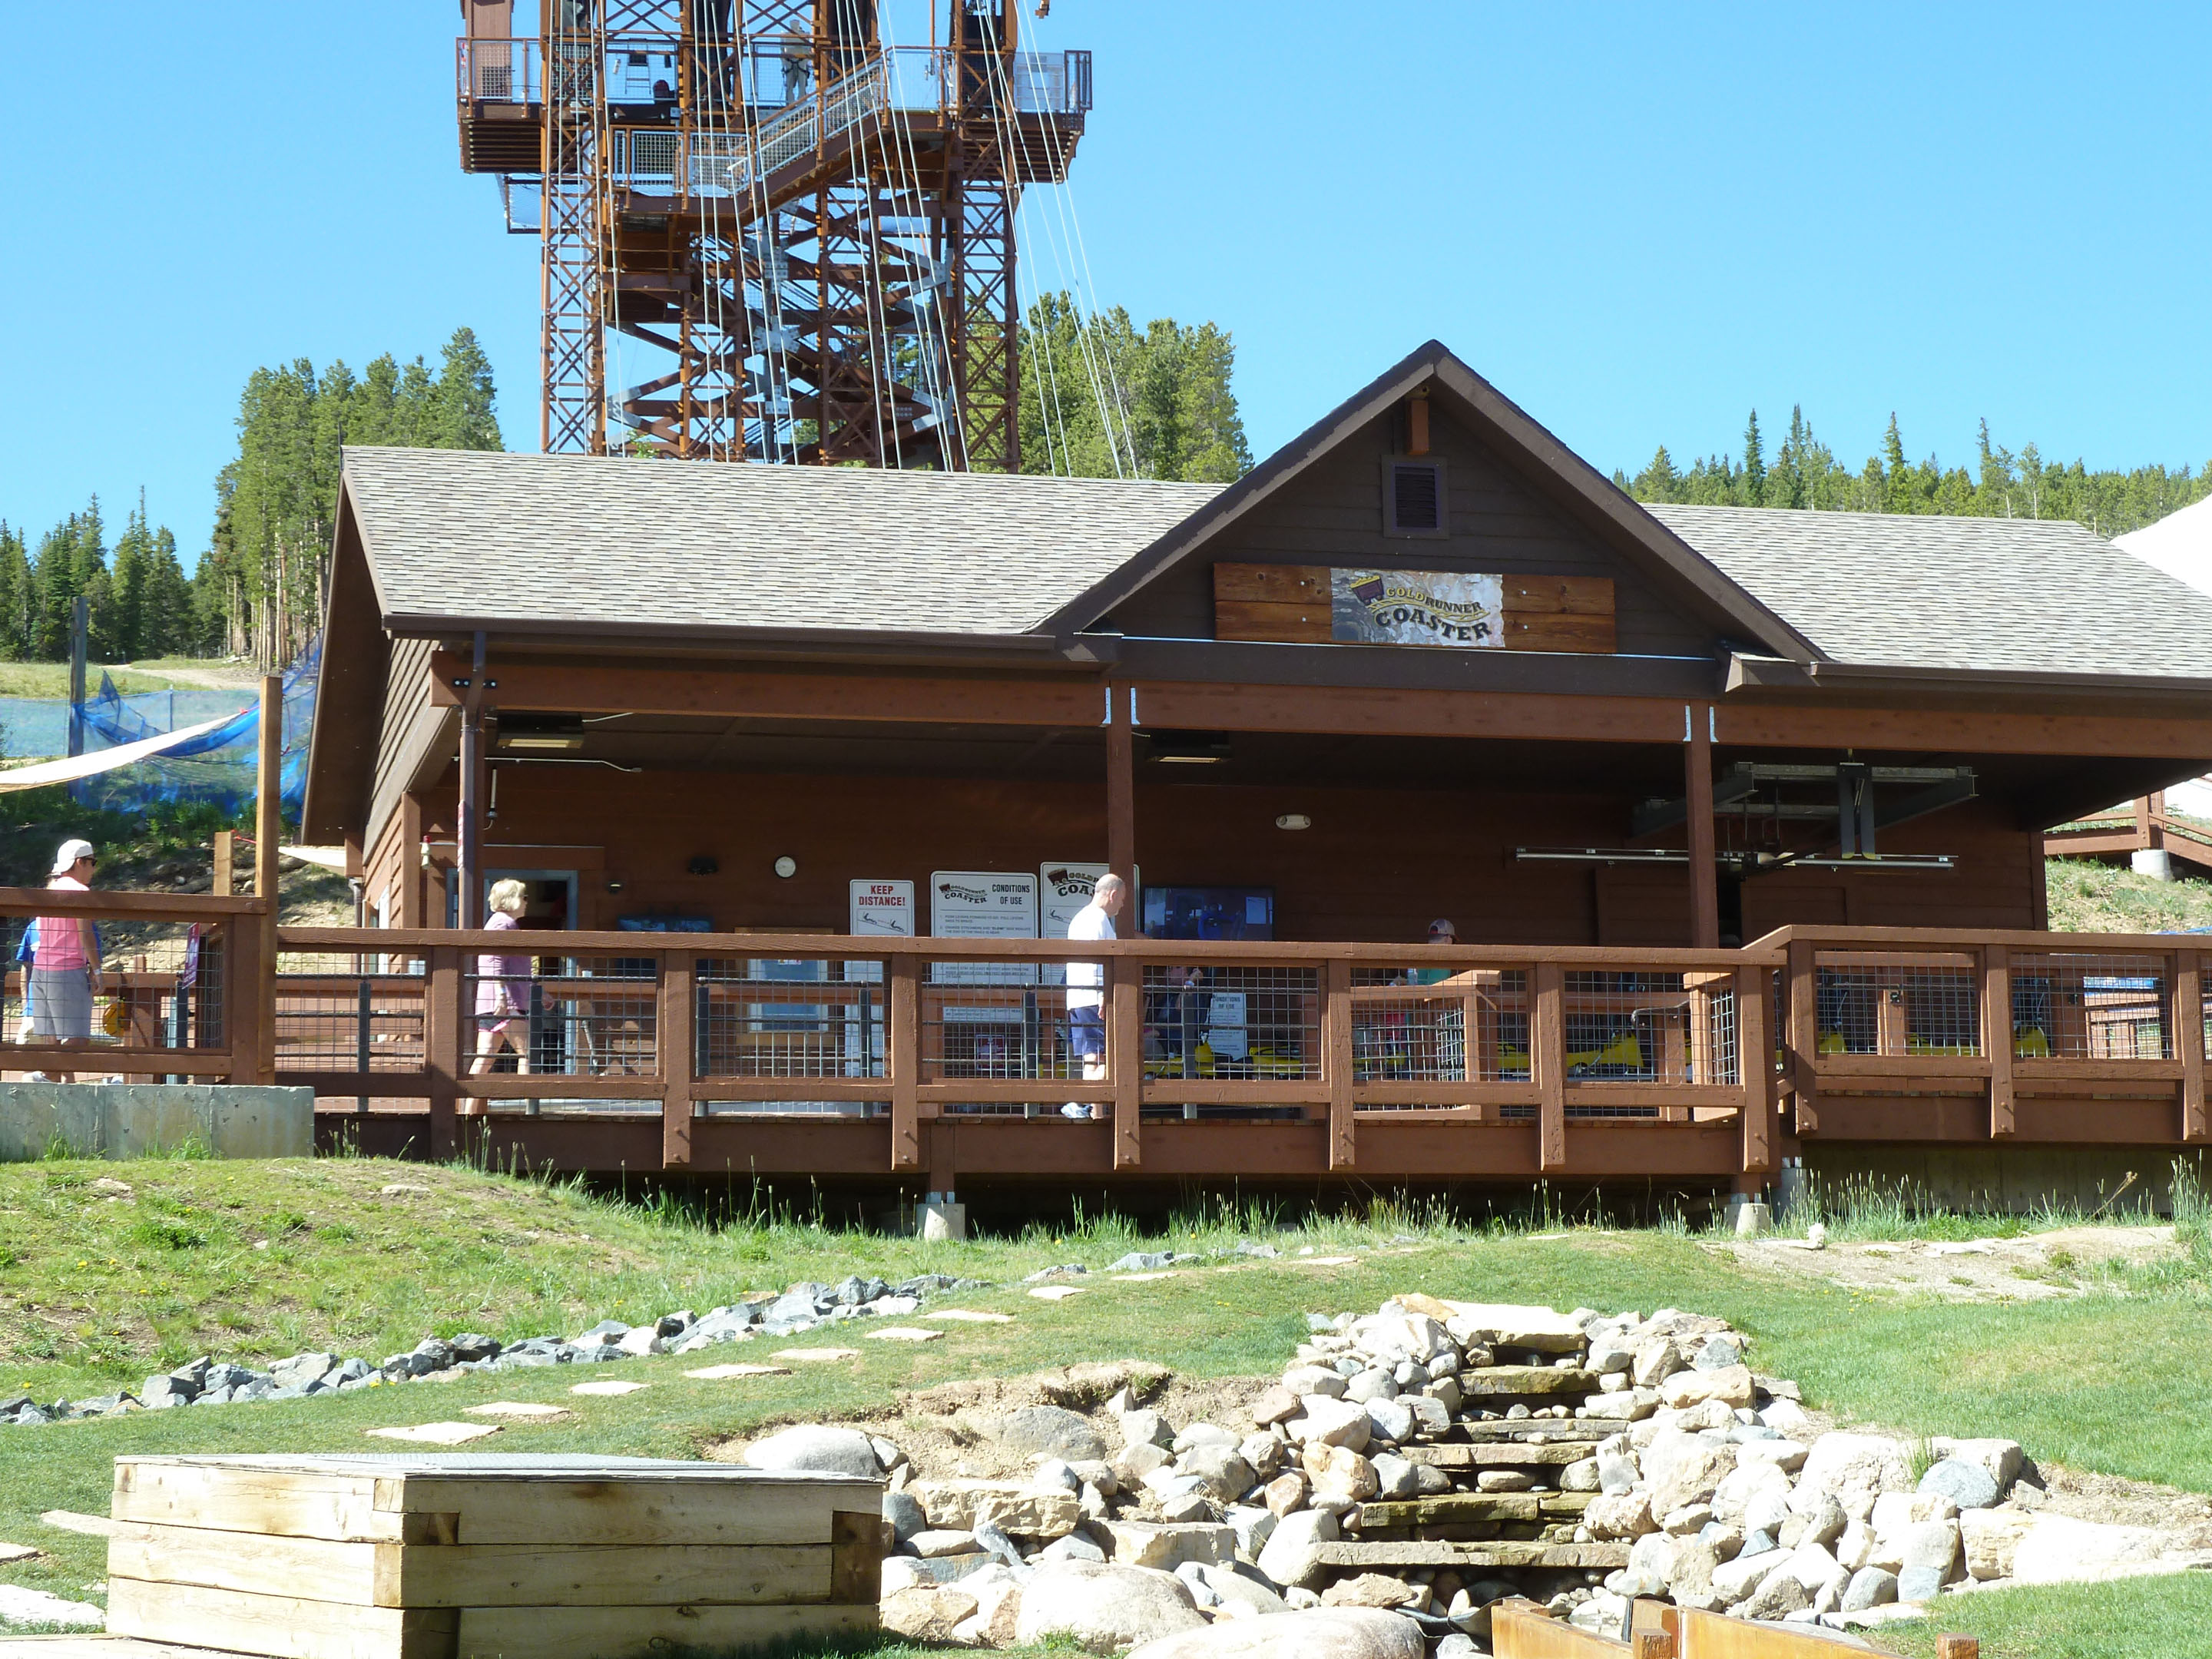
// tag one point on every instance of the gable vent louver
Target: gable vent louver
(1417, 497)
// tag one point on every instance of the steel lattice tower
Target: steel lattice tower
(792, 238)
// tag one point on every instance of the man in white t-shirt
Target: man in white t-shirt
(1086, 982)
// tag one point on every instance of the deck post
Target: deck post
(679, 1048)
(904, 1054)
(1754, 1066)
(1125, 1060)
(1804, 1040)
(1996, 1036)
(1336, 1062)
(268, 836)
(246, 1012)
(2188, 1040)
(1547, 1057)
(443, 1045)
(470, 831)
(1121, 792)
(1704, 878)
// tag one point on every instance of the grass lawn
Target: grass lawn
(51, 680)
(2089, 897)
(259, 1261)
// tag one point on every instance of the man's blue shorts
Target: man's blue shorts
(1087, 1032)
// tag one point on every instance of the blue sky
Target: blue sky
(1639, 221)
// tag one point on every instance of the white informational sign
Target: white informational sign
(1226, 1033)
(982, 904)
(1064, 888)
(1416, 607)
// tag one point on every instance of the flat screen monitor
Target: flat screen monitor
(1210, 912)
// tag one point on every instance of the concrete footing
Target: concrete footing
(145, 1120)
(2153, 862)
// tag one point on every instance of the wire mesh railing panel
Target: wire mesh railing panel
(1643, 1027)
(1230, 1022)
(121, 982)
(561, 1016)
(1439, 1025)
(349, 1011)
(767, 1018)
(795, 1107)
(2084, 1006)
(1904, 1005)
(996, 1021)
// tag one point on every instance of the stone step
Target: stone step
(1457, 1509)
(1524, 1381)
(1534, 1431)
(1510, 1454)
(1426, 1553)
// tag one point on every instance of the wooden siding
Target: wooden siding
(1292, 604)
(1378, 864)
(1332, 515)
(399, 748)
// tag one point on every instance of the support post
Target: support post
(1996, 1036)
(1547, 1059)
(1804, 1043)
(471, 794)
(1122, 791)
(442, 1046)
(80, 633)
(904, 1051)
(268, 836)
(1754, 1067)
(1336, 1063)
(411, 860)
(1125, 1060)
(246, 1013)
(1697, 794)
(678, 1056)
(226, 864)
(2188, 1040)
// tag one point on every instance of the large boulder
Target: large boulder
(2059, 1549)
(1318, 1633)
(1992, 1539)
(1331, 1423)
(1288, 1558)
(1508, 1326)
(1731, 1386)
(1046, 1515)
(1846, 1464)
(1051, 1431)
(1167, 1547)
(1692, 1474)
(819, 1448)
(2002, 1458)
(927, 1613)
(1104, 1607)
(1968, 1485)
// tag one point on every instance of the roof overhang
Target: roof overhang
(1750, 672)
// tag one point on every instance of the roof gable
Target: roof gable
(1525, 448)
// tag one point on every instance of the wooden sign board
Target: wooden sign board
(1321, 605)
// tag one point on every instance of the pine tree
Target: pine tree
(1754, 465)
(119, 626)
(14, 596)
(1101, 400)
(460, 414)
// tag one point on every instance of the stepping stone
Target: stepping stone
(520, 1410)
(969, 1316)
(903, 1333)
(817, 1356)
(608, 1387)
(1056, 1292)
(1329, 1261)
(17, 1551)
(1137, 1279)
(22, 1606)
(438, 1434)
(723, 1373)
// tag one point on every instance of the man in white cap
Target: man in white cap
(64, 971)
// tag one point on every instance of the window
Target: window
(1414, 498)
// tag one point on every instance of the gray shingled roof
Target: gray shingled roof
(2018, 594)
(581, 539)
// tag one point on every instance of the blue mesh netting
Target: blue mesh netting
(216, 768)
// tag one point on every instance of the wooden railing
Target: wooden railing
(2098, 1020)
(168, 1002)
(688, 1026)
(2145, 825)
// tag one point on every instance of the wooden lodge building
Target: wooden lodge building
(793, 761)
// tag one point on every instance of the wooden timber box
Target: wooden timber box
(473, 1557)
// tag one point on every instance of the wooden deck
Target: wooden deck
(925, 1062)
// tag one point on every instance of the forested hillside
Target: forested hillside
(1102, 398)
(1806, 473)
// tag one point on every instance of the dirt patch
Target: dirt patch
(950, 1430)
(2187, 1514)
(2026, 1269)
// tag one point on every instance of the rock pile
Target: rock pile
(207, 1382)
(1416, 1465)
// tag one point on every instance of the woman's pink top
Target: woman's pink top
(64, 941)
(502, 982)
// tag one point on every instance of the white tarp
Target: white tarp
(72, 768)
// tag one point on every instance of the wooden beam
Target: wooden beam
(268, 838)
(226, 864)
(903, 1052)
(1996, 1036)
(1122, 797)
(1337, 1065)
(678, 1050)
(445, 1045)
(1804, 1036)
(1548, 1053)
(1754, 1063)
(740, 694)
(2188, 1040)
(1704, 876)
(1125, 1061)
(1922, 729)
(1368, 711)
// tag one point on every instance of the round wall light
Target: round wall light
(787, 866)
(1294, 821)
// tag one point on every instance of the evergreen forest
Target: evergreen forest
(1806, 473)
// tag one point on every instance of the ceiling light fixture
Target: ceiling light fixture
(1294, 821)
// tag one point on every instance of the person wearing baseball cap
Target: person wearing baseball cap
(64, 965)
(1441, 932)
